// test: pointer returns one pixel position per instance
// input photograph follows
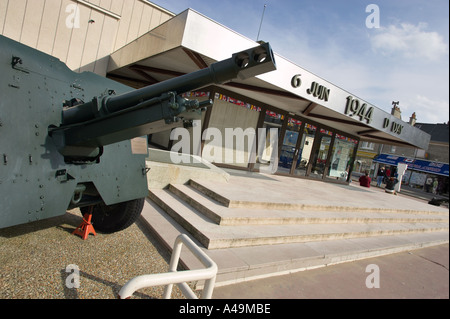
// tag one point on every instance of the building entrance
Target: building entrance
(289, 148)
(315, 152)
(291, 145)
(300, 155)
(304, 152)
(319, 164)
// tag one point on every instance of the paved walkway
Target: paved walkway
(416, 274)
(276, 188)
(410, 192)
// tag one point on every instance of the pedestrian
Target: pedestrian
(365, 180)
(435, 186)
(380, 176)
(387, 173)
(390, 185)
(394, 172)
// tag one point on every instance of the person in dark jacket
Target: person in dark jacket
(380, 176)
(390, 185)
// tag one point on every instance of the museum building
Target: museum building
(318, 126)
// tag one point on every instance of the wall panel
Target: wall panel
(56, 28)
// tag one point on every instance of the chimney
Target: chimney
(396, 110)
(412, 119)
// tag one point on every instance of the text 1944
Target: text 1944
(355, 108)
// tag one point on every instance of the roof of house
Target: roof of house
(439, 132)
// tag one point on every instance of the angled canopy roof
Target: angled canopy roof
(191, 41)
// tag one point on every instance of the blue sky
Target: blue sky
(405, 59)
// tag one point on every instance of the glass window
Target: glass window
(342, 157)
(321, 154)
(289, 145)
(367, 145)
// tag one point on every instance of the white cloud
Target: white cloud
(410, 76)
(429, 110)
(410, 41)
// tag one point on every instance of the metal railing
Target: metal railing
(177, 277)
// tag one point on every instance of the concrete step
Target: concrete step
(229, 216)
(214, 236)
(245, 197)
(256, 225)
(247, 263)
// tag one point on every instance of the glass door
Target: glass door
(267, 156)
(305, 149)
(320, 154)
(289, 148)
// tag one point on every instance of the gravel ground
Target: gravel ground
(34, 257)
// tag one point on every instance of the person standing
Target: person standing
(380, 176)
(387, 173)
(435, 186)
(428, 184)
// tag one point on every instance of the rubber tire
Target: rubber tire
(117, 217)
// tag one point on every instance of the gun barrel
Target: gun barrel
(242, 65)
(105, 120)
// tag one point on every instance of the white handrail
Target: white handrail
(177, 277)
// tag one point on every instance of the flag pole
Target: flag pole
(264, 10)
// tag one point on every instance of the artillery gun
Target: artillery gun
(73, 140)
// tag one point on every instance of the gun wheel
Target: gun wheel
(117, 217)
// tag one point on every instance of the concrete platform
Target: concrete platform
(289, 213)
(256, 225)
(246, 189)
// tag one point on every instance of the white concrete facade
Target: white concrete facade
(166, 48)
(81, 33)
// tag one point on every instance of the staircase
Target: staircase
(254, 236)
